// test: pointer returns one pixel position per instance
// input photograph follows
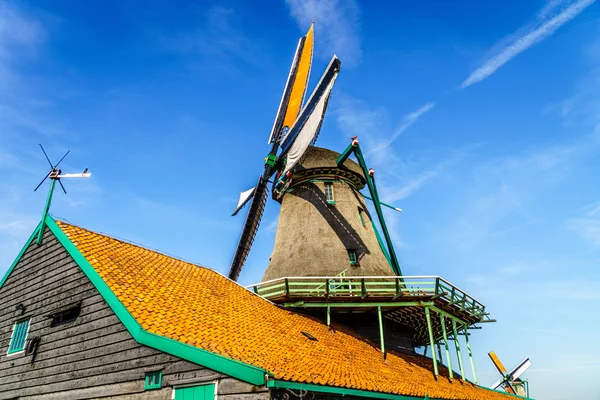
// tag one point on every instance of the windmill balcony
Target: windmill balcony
(406, 300)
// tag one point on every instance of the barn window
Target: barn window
(153, 380)
(329, 193)
(19, 337)
(353, 257)
(65, 316)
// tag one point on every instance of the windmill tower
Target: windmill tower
(324, 226)
(331, 258)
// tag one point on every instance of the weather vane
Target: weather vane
(55, 175)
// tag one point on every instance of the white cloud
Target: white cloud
(588, 226)
(406, 122)
(541, 30)
(336, 26)
(218, 37)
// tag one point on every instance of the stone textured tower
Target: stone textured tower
(324, 226)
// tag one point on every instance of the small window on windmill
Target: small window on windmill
(329, 193)
(353, 257)
(361, 216)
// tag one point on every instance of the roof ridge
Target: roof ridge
(132, 243)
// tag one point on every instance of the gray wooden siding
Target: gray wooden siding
(92, 357)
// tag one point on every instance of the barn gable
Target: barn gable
(94, 354)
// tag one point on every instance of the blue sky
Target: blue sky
(481, 119)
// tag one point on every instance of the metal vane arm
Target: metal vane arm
(355, 148)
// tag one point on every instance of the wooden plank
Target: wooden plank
(133, 390)
(72, 278)
(233, 386)
(57, 358)
(111, 371)
(117, 354)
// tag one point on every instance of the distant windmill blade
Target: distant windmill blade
(43, 180)
(250, 228)
(47, 158)
(63, 157)
(61, 185)
(497, 363)
(497, 384)
(519, 369)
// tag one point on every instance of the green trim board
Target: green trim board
(237, 369)
(20, 255)
(272, 383)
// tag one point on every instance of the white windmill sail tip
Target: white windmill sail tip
(518, 371)
(309, 131)
(244, 198)
(497, 384)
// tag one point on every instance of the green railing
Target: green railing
(368, 288)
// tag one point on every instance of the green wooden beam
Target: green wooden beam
(344, 156)
(445, 336)
(46, 209)
(376, 202)
(431, 341)
(470, 353)
(381, 338)
(457, 345)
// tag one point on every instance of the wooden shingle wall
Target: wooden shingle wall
(92, 357)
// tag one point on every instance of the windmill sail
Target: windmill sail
(295, 87)
(250, 227)
(244, 198)
(309, 131)
(301, 81)
(318, 99)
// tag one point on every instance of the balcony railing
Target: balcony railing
(367, 289)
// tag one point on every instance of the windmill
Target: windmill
(55, 175)
(511, 381)
(296, 127)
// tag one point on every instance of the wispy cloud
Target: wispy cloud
(218, 37)
(406, 122)
(336, 24)
(588, 226)
(540, 30)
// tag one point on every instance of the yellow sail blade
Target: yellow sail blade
(496, 361)
(301, 81)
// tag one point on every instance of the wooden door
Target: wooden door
(204, 392)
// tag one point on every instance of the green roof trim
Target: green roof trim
(505, 393)
(14, 264)
(228, 366)
(272, 383)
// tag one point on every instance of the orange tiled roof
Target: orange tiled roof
(202, 308)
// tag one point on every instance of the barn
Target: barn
(88, 316)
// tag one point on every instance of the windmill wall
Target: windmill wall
(91, 357)
(313, 235)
